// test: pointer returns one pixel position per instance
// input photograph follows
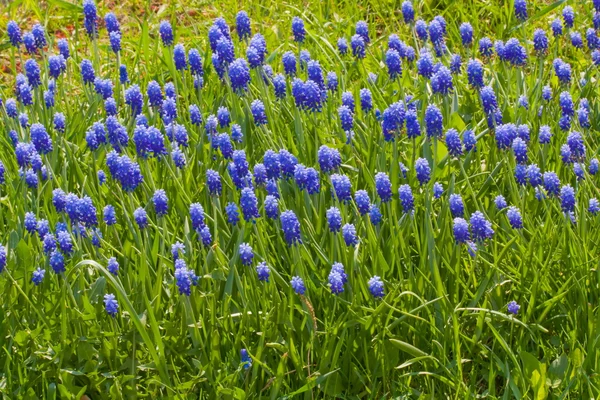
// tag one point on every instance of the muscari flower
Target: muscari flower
(421, 29)
(166, 33)
(514, 217)
(568, 16)
(521, 9)
(594, 206)
(433, 121)
(334, 219)
(298, 29)
(460, 229)
(376, 287)
(423, 171)
(486, 47)
(480, 227)
(358, 46)
(394, 63)
(406, 198)
(298, 285)
(342, 187)
(232, 213)
(290, 227)
(513, 307)
(500, 202)
(246, 254)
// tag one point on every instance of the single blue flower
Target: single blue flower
(298, 285)
(500, 202)
(290, 227)
(298, 29)
(514, 217)
(460, 229)
(406, 198)
(334, 219)
(263, 271)
(246, 254)
(141, 217)
(466, 34)
(480, 227)
(232, 213)
(513, 307)
(376, 287)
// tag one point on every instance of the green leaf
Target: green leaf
(408, 348)
(535, 372)
(557, 370)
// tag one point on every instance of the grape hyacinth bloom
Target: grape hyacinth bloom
(233, 216)
(486, 47)
(455, 64)
(438, 190)
(14, 33)
(358, 46)
(346, 118)
(258, 112)
(290, 227)
(246, 254)
(521, 9)
(540, 42)
(456, 204)
(593, 167)
(466, 34)
(87, 72)
(568, 16)
(38, 276)
(433, 121)
(514, 217)
(141, 217)
(594, 206)
(334, 219)
(453, 143)
(441, 81)
(362, 200)
(567, 198)
(383, 186)
(342, 45)
(271, 207)
(374, 214)
(406, 198)
(242, 25)
(166, 33)
(239, 75)
(113, 266)
(111, 305)
(249, 204)
(519, 148)
(408, 12)
(342, 187)
(298, 29)
(376, 287)
(394, 64)
(263, 271)
(480, 227)
(161, 202)
(423, 171)
(500, 202)
(298, 285)
(421, 29)
(513, 307)
(460, 229)
(29, 42)
(65, 242)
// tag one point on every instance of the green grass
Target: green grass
(442, 329)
